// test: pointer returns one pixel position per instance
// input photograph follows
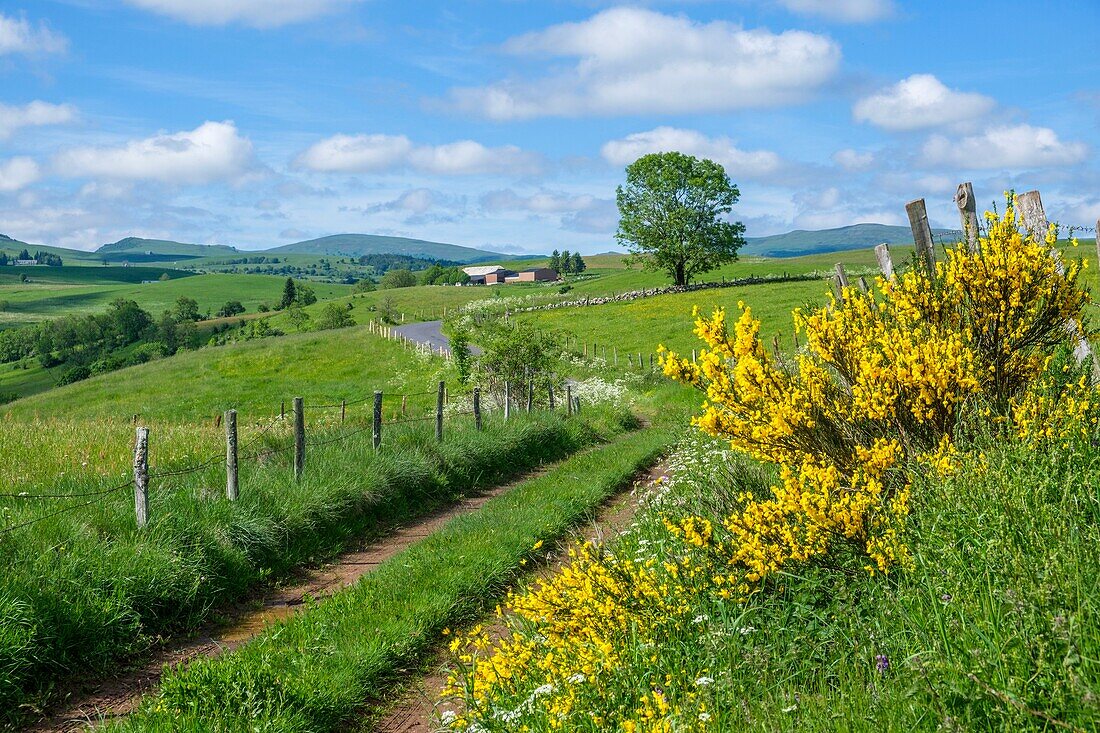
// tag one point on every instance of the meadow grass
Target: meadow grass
(318, 670)
(995, 627)
(82, 590)
(254, 377)
(51, 296)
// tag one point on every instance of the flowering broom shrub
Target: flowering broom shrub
(883, 384)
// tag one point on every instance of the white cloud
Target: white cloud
(739, 164)
(853, 160)
(18, 35)
(1005, 146)
(16, 173)
(640, 61)
(32, 115)
(845, 11)
(542, 202)
(257, 13)
(375, 153)
(918, 102)
(213, 151)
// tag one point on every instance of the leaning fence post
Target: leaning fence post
(840, 281)
(477, 408)
(141, 477)
(377, 420)
(299, 438)
(968, 214)
(1030, 206)
(507, 401)
(231, 455)
(922, 234)
(439, 412)
(569, 399)
(885, 264)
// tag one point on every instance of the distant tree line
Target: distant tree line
(566, 263)
(42, 258)
(383, 263)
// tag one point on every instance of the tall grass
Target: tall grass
(995, 627)
(82, 590)
(317, 670)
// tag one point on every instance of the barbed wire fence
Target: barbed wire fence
(255, 449)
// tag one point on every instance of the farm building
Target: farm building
(486, 274)
(538, 274)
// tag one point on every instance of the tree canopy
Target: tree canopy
(672, 215)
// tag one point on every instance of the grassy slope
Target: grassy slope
(317, 670)
(253, 377)
(84, 589)
(43, 298)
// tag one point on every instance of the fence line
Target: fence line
(234, 455)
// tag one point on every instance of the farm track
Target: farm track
(98, 700)
(415, 708)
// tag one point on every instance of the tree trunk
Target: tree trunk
(679, 275)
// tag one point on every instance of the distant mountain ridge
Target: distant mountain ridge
(356, 245)
(806, 242)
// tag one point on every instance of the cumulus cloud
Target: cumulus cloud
(376, 153)
(212, 152)
(853, 160)
(632, 60)
(542, 202)
(845, 11)
(579, 212)
(921, 101)
(1005, 146)
(739, 164)
(16, 173)
(33, 114)
(256, 13)
(18, 35)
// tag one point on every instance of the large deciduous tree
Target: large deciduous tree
(672, 215)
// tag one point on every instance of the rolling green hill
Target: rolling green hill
(858, 236)
(136, 249)
(12, 246)
(354, 245)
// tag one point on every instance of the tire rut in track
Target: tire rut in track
(97, 700)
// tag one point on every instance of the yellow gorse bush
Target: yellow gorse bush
(882, 380)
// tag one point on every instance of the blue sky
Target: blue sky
(507, 125)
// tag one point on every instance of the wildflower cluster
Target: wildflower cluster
(575, 642)
(883, 380)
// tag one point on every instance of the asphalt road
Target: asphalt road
(428, 332)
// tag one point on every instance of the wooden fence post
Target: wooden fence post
(299, 438)
(530, 394)
(231, 491)
(840, 281)
(282, 410)
(477, 408)
(968, 214)
(343, 410)
(1030, 206)
(377, 419)
(885, 264)
(550, 397)
(863, 285)
(439, 412)
(922, 234)
(141, 477)
(507, 401)
(615, 354)
(569, 399)
(577, 405)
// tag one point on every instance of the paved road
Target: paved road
(428, 332)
